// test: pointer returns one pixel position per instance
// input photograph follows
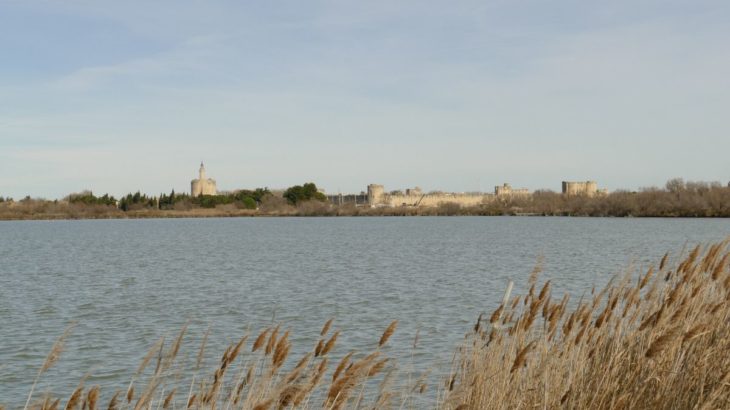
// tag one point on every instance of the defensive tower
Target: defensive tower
(587, 188)
(202, 185)
(375, 194)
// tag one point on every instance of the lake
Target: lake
(126, 283)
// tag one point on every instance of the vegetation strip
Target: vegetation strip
(677, 199)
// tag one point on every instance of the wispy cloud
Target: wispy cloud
(193, 55)
(528, 92)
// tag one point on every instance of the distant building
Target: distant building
(507, 190)
(414, 191)
(376, 194)
(202, 185)
(587, 188)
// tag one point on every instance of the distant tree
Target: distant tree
(259, 194)
(88, 198)
(675, 185)
(137, 201)
(249, 203)
(301, 193)
(169, 201)
(211, 201)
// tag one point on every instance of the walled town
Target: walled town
(376, 196)
(678, 198)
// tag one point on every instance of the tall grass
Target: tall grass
(661, 340)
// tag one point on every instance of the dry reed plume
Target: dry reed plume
(51, 359)
(660, 341)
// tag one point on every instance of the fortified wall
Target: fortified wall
(377, 197)
(506, 190)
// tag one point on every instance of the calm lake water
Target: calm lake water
(126, 283)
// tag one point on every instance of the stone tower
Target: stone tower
(376, 194)
(587, 188)
(202, 185)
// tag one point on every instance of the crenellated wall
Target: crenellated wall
(413, 197)
(507, 190)
(431, 200)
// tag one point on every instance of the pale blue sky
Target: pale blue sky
(122, 96)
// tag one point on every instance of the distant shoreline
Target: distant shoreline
(197, 214)
(678, 199)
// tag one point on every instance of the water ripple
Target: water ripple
(127, 283)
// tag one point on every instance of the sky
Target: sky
(120, 96)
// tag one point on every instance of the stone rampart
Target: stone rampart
(506, 190)
(377, 197)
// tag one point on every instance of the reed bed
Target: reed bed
(660, 340)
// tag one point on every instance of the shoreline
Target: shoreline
(248, 214)
(678, 200)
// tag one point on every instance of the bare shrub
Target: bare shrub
(275, 204)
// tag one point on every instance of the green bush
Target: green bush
(302, 193)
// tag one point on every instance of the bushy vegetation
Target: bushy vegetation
(88, 198)
(302, 193)
(137, 201)
(245, 199)
(677, 199)
(657, 340)
(168, 201)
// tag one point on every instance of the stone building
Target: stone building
(202, 185)
(506, 190)
(587, 188)
(376, 194)
(414, 191)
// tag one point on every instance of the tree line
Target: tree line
(676, 199)
(88, 204)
